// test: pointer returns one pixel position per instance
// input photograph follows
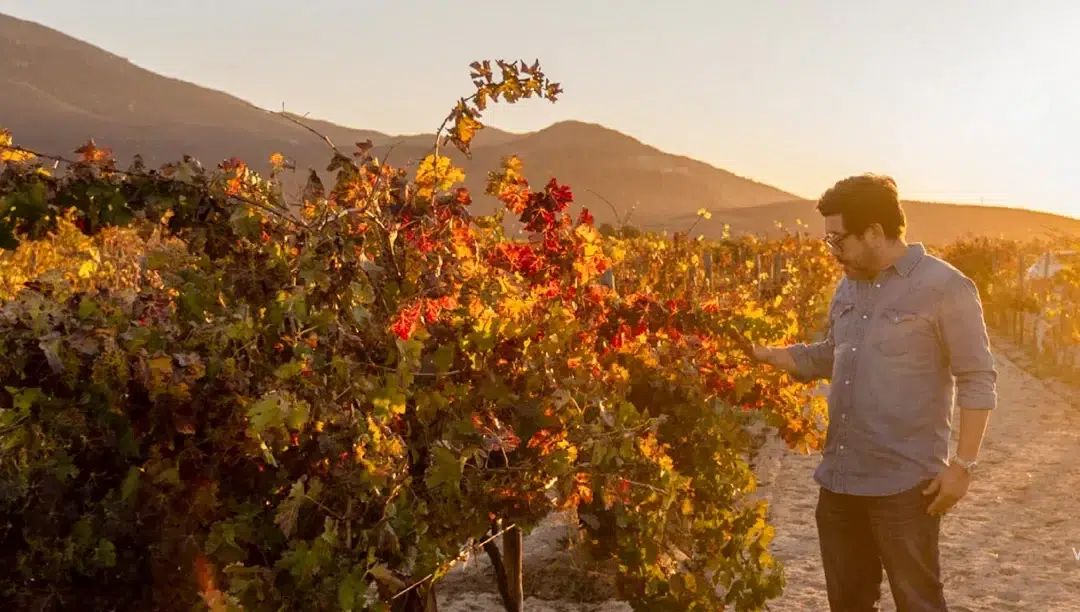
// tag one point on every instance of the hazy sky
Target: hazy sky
(960, 100)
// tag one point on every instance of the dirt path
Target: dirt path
(1009, 545)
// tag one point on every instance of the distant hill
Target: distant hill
(929, 222)
(59, 92)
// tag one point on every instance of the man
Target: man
(905, 330)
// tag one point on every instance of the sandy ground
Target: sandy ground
(1008, 545)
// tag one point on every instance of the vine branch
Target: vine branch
(282, 213)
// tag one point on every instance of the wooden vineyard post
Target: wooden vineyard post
(777, 271)
(691, 276)
(1048, 290)
(508, 568)
(1060, 346)
(512, 544)
(607, 279)
(757, 274)
(708, 269)
(1018, 315)
(998, 322)
(1071, 336)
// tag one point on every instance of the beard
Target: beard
(852, 269)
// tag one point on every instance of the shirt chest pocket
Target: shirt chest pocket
(901, 331)
(843, 323)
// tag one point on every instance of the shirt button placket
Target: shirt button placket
(846, 404)
(841, 430)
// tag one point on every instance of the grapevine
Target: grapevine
(217, 397)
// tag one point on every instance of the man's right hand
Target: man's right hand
(775, 356)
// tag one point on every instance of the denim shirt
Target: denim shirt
(897, 349)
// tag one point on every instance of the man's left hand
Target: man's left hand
(951, 484)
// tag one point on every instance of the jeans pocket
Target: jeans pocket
(906, 509)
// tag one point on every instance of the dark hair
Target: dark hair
(864, 200)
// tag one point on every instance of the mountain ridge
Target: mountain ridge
(69, 90)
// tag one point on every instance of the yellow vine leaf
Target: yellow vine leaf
(9, 154)
(466, 127)
(438, 175)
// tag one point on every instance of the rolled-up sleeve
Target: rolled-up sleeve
(814, 361)
(967, 345)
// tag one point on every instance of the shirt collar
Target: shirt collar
(910, 259)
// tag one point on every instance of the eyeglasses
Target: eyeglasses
(834, 240)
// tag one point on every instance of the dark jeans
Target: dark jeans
(861, 535)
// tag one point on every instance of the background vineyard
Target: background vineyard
(1031, 294)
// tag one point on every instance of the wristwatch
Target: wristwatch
(968, 464)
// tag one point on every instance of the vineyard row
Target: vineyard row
(1030, 292)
